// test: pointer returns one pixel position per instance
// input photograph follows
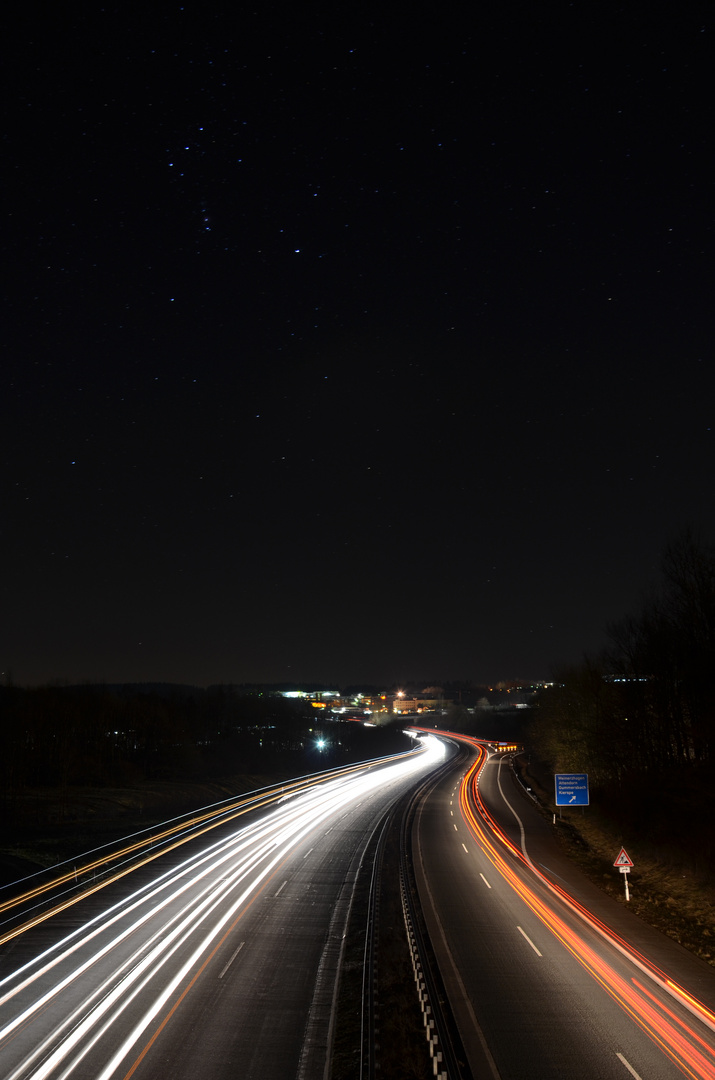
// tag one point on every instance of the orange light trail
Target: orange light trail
(192, 827)
(692, 1054)
(132, 965)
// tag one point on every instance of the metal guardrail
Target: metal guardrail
(448, 1057)
(30, 900)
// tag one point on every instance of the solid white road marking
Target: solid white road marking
(529, 940)
(664, 984)
(630, 1068)
(485, 881)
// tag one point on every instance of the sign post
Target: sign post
(624, 864)
(571, 789)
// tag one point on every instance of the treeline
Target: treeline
(100, 736)
(640, 717)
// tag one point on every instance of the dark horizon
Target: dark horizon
(413, 688)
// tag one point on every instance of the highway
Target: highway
(217, 959)
(214, 950)
(546, 975)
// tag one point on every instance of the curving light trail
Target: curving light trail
(663, 1009)
(99, 997)
(60, 889)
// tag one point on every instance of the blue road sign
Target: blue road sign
(571, 789)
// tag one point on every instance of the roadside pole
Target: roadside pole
(624, 864)
(571, 790)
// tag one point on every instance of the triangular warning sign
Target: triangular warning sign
(623, 859)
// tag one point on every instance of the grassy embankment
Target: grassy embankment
(666, 891)
(47, 826)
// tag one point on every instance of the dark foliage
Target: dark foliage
(640, 719)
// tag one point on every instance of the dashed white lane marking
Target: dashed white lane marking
(529, 940)
(630, 1068)
(233, 957)
(456, 829)
(281, 888)
(307, 854)
(485, 881)
(464, 846)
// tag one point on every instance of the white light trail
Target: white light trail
(73, 998)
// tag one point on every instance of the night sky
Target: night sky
(345, 343)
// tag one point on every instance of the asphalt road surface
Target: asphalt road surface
(548, 977)
(218, 961)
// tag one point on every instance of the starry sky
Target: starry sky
(349, 344)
